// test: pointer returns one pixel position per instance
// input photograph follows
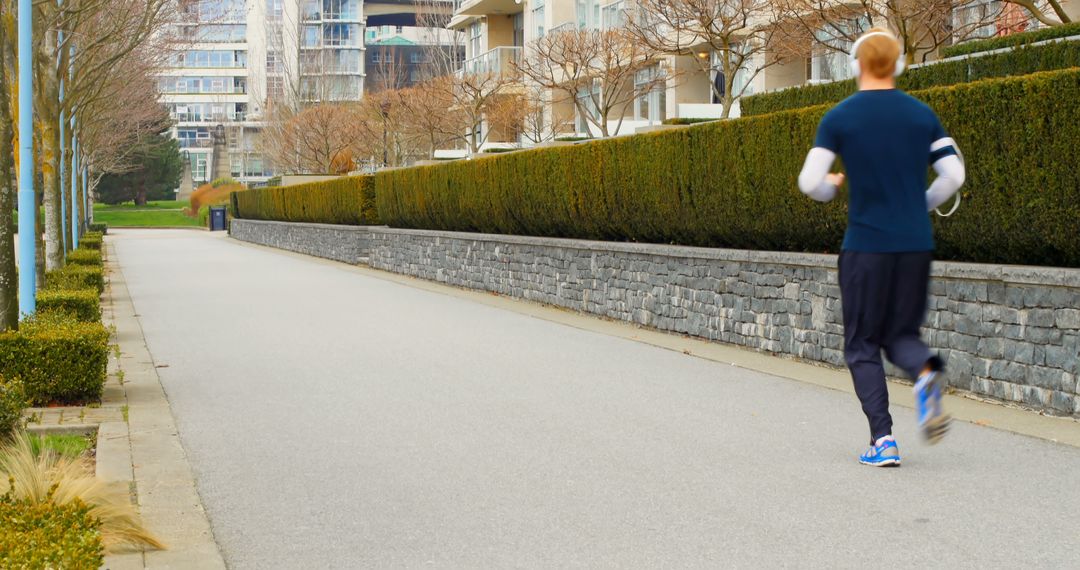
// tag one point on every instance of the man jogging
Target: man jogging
(887, 139)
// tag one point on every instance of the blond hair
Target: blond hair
(877, 54)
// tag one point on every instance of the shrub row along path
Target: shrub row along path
(338, 420)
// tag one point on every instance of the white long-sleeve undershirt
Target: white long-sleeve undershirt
(950, 177)
(812, 178)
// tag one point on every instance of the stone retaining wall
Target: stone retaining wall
(1007, 332)
(339, 243)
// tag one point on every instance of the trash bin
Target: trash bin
(217, 218)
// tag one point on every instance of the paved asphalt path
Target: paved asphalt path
(335, 420)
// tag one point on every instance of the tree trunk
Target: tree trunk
(9, 282)
(50, 161)
(140, 195)
(65, 187)
(39, 237)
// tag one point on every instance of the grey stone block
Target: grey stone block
(1067, 319)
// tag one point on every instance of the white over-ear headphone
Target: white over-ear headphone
(856, 69)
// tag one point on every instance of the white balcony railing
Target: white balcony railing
(499, 61)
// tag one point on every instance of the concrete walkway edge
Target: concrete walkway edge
(163, 481)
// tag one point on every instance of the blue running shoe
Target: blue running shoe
(933, 423)
(883, 453)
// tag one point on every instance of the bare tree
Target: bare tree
(726, 37)
(316, 139)
(601, 72)
(541, 121)
(428, 114)
(1043, 13)
(922, 26)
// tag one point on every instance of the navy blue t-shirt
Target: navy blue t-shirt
(884, 138)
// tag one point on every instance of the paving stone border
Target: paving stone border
(1008, 332)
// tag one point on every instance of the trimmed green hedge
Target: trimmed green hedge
(77, 277)
(12, 402)
(83, 304)
(348, 201)
(47, 535)
(1020, 61)
(687, 121)
(84, 257)
(57, 358)
(1024, 38)
(100, 227)
(91, 240)
(733, 183)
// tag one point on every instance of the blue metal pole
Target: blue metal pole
(27, 202)
(74, 185)
(63, 125)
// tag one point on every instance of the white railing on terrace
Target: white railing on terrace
(564, 27)
(499, 61)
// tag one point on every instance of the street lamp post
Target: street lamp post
(27, 203)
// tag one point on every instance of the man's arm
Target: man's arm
(946, 159)
(815, 180)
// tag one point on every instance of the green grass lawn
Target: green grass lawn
(64, 445)
(153, 214)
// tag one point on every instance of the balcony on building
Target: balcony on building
(500, 61)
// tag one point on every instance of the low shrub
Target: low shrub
(12, 403)
(1010, 40)
(211, 195)
(77, 277)
(90, 240)
(495, 150)
(347, 200)
(100, 227)
(85, 257)
(572, 139)
(733, 183)
(47, 535)
(45, 477)
(1021, 61)
(58, 358)
(83, 304)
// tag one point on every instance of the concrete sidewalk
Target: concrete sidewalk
(163, 481)
(342, 418)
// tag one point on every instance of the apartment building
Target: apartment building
(400, 56)
(498, 33)
(209, 87)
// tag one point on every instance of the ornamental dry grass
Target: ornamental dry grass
(44, 477)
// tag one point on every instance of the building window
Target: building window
(613, 15)
(519, 29)
(275, 9)
(830, 53)
(740, 86)
(980, 18)
(539, 17)
(476, 39)
(198, 167)
(275, 88)
(273, 62)
(588, 14)
(651, 105)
